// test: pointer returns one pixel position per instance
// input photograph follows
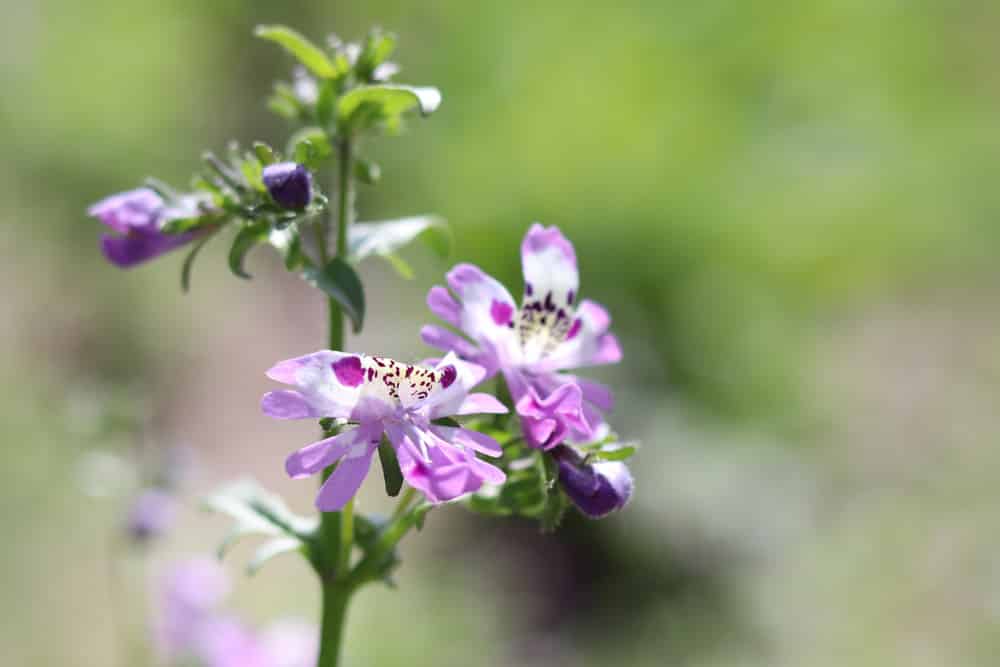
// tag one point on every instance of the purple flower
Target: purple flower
(290, 643)
(189, 594)
(398, 400)
(289, 184)
(597, 489)
(151, 514)
(532, 345)
(137, 217)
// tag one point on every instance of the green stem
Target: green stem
(336, 596)
(336, 530)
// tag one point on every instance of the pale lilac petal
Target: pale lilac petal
(313, 458)
(594, 392)
(291, 643)
(345, 481)
(474, 440)
(481, 404)
(482, 298)
(327, 393)
(442, 304)
(448, 341)
(287, 404)
(447, 473)
(129, 210)
(549, 265)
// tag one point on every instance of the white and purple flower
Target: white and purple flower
(532, 346)
(137, 217)
(401, 401)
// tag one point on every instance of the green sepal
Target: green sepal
(248, 237)
(391, 473)
(264, 153)
(341, 283)
(189, 261)
(309, 146)
(307, 53)
(378, 47)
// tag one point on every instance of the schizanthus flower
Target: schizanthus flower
(400, 401)
(137, 217)
(532, 346)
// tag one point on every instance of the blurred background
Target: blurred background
(790, 209)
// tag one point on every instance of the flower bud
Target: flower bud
(597, 489)
(289, 184)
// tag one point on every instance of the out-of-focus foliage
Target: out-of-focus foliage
(790, 209)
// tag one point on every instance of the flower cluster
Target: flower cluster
(191, 628)
(532, 347)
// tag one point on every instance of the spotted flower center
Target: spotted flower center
(545, 321)
(388, 379)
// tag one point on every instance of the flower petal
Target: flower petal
(481, 404)
(346, 479)
(474, 440)
(129, 210)
(449, 341)
(551, 281)
(329, 389)
(488, 309)
(287, 404)
(447, 473)
(140, 245)
(442, 304)
(313, 458)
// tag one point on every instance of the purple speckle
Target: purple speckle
(528, 289)
(448, 375)
(501, 312)
(569, 297)
(574, 329)
(539, 239)
(348, 371)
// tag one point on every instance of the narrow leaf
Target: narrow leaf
(247, 238)
(400, 265)
(189, 262)
(391, 473)
(341, 283)
(307, 53)
(269, 550)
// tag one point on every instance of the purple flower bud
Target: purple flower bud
(289, 183)
(150, 515)
(597, 489)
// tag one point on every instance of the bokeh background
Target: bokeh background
(790, 208)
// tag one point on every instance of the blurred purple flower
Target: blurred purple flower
(291, 643)
(398, 400)
(151, 514)
(226, 642)
(597, 489)
(188, 596)
(289, 184)
(532, 345)
(137, 217)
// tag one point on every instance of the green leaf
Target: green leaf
(269, 550)
(256, 512)
(249, 236)
(367, 171)
(309, 146)
(325, 103)
(288, 242)
(341, 283)
(367, 105)
(400, 266)
(307, 53)
(391, 473)
(264, 153)
(181, 225)
(365, 239)
(253, 172)
(613, 452)
(189, 262)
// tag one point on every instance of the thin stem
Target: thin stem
(337, 528)
(346, 539)
(404, 502)
(336, 596)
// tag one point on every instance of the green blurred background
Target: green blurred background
(790, 208)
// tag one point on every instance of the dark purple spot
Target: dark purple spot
(501, 312)
(569, 297)
(371, 374)
(348, 371)
(549, 304)
(448, 375)
(528, 289)
(574, 329)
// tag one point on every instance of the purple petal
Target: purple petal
(548, 421)
(442, 304)
(481, 404)
(345, 481)
(287, 404)
(313, 458)
(596, 489)
(128, 210)
(448, 341)
(541, 240)
(313, 375)
(140, 246)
